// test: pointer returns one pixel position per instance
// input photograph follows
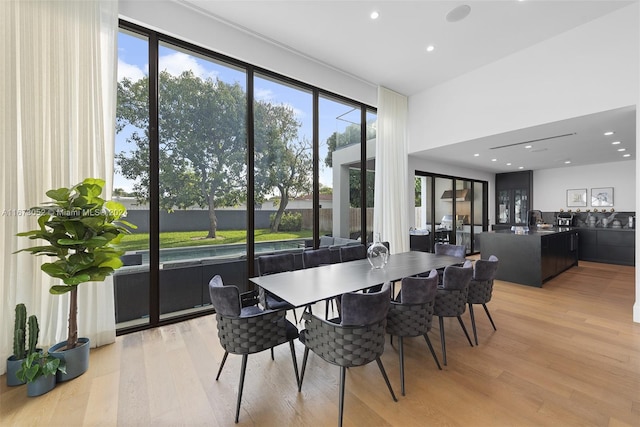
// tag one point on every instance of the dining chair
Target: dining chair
(459, 251)
(352, 252)
(315, 258)
(248, 330)
(411, 315)
(451, 299)
(355, 339)
(271, 264)
(481, 288)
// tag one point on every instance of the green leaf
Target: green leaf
(54, 270)
(95, 181)
(60, 289)
(61, 194)
(81, 258)
(114, 263)
(77, 279)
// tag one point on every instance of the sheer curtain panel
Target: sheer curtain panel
(58, 84)
(391, 185)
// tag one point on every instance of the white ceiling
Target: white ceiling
(391, 51)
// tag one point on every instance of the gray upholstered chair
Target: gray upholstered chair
(315, 258)
(352, 252)
(248, 330)
(459, 251)
(451, 299)
(271, 264)
(355, 339)
(411, 315)
(481, 288)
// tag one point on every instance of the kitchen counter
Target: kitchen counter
(534, 257)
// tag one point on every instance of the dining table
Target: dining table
(307, 286)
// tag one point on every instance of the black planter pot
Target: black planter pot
(76, 359)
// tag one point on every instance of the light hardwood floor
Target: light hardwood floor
(567, 354)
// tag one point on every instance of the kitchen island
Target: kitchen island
(533, 257)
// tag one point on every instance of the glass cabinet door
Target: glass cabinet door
(504, 207)
(521, 206)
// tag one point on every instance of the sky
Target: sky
(133, 64)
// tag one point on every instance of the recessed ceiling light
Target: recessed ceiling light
(458, 13)
(375, 14)
(609, 133)
(566, 162)
(430, 48)
(508, 164)
(626, 155)
(520, 167)
(615, 143)
(527, 146)
(476, 155)
(494, 160)
(622, 149)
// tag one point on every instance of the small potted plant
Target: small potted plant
(39, 371)
(80, 229)
(20, 348)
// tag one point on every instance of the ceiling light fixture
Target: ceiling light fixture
(520, 167)
(458, 13)
(609, 133)
(615, 143)
(508, 164)
(622, 149)
(527, 146)
(566, 162)
(375, 14)
(430, 48)
(494, 160)
(626, 155)
(476, 155)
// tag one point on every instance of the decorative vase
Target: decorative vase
(13, 366)
(76, 359)
(41, 385)
(377, 254)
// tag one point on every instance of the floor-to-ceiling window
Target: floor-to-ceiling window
(218, 162)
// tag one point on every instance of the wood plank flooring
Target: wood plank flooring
(567, 354)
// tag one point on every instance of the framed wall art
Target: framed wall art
(602, 196)
(577, 197)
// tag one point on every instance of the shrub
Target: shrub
(290, 221)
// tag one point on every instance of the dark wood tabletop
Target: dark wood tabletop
(307, 286)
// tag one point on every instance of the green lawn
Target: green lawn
(140, 241)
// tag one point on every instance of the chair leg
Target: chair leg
(343, 378)
(465, 330)
(486, 310)
(433, 353)
(444, 347)
(386, 379)
(272, 356)
(224, 359)
(295, 363)
(295, 316)
(242, 372)
(304, 366)
(473, 323)
(401, 356)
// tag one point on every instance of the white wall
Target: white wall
(550, 185)
(182, 22)
(589, 69)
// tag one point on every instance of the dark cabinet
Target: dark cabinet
(514, 192)
(558, 253)
(610, 246)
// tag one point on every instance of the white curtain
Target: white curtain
(58, 76)
(391, 183)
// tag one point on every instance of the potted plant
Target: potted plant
(80, 229)
(20, 349)
(39, 371)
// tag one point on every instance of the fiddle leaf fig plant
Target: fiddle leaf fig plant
(80, 229)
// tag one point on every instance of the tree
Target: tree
(355, 188)
(351, 135)
(282, 161)
(202, 135)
